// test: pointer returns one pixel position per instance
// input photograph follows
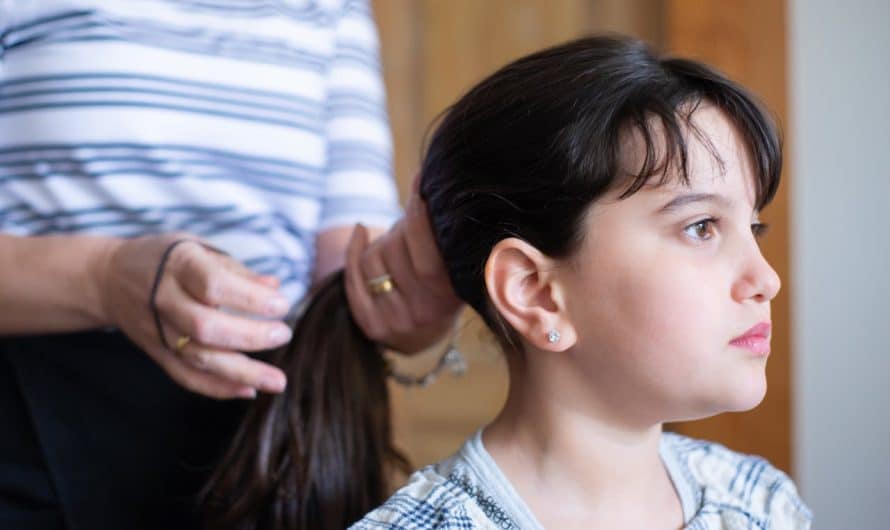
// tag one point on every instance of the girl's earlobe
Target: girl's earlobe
(559, 332)
(553, 336)
(558, 339)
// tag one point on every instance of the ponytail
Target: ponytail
(319, 454)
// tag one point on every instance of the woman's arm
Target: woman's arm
(70, 283)
(50, 284)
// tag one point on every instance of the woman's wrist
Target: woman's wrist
(421, 338)
(53, 282)
(99, 279)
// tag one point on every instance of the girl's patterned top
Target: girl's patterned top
(718, 489)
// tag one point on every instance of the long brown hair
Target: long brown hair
(318, 455)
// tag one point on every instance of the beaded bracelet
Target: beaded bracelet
(451, 359)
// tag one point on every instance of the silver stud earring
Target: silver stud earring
(553, 336)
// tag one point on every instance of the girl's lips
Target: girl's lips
(758, 345)
(755, 339)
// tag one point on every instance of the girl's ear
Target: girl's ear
(525, 289)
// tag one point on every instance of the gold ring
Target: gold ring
(381, 284)
(182, 342)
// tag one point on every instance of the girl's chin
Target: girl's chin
(742, 397)
(748, 396)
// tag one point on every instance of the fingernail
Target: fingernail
(280, 334)
(273, 383)
(247, 393)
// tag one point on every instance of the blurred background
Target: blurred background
(823, 68)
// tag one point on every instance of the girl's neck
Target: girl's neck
(573, 465)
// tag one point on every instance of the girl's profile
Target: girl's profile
(598, 206)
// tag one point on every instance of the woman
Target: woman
(219, 153)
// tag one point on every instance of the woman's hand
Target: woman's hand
(422, 305)
(205, 343)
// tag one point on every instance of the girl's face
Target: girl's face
(667, 280)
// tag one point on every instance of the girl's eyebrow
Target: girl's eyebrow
(691, 198)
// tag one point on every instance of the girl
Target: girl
(598, 206)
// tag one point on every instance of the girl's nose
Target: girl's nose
(758, 280)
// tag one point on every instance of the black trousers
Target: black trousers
(93, 435)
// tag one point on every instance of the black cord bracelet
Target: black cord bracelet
(159, 273)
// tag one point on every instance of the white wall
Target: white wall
(840, 187)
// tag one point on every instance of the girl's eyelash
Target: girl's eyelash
(705, 223)
(759, 229)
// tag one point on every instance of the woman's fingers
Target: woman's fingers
(239, 268)
(127, 281)
(216, 329)
(426, 260)
(405, 301)
(389, 305)
(231, 370)
(199, 381)
(216, 280)
(360, 301)
(395, 316)
(234, 367)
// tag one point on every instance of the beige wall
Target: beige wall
(840, 111)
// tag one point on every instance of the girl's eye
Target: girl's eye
(759, 230)
(702, 230)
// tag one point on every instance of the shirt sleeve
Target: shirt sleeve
(360, 185)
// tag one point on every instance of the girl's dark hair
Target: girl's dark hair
(526, 152)
(318, 455)
(523, 154)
